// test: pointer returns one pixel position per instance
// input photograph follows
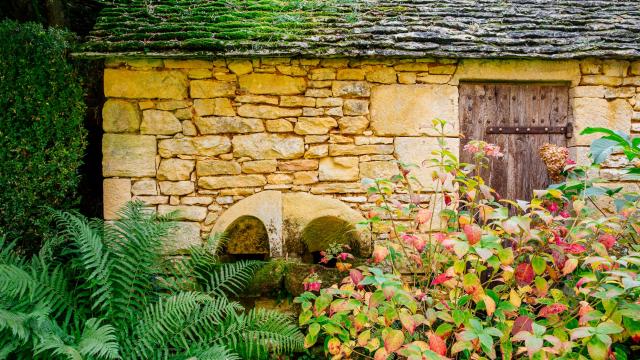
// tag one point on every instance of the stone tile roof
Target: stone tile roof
(550, 29)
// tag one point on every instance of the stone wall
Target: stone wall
(198, 136)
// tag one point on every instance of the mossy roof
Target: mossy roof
(415, 28)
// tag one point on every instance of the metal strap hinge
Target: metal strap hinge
(566, 130)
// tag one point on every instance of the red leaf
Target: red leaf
(522, 323)
(607, 240)
(437, 344)
(423, 216)
(552, 309)
(380, 253)
(356, 276)
(574, 248)
(473, 233)
(524, 274)
(440, 279)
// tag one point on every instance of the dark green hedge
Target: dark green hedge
(42, 138)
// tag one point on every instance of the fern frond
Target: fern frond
(258, 333)
(230, 278)
(54, 345)
(15, 323)
(215, 352)
(215, 242)
(8, 255)
(162, 322)
(202, 260)
(98, 340)
(93, 256)
(136, 242)
(206, 323)
(15, 281)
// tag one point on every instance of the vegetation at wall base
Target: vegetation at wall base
(101, 291)
(42, 138)
(466, 275)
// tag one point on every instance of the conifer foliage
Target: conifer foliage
(101, 291)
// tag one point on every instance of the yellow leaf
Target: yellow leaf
(514, 298)
(569, 266)
(555, 193)
(489, 304)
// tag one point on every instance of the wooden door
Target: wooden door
(519, 117)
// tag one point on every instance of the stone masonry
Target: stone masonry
(197, 136)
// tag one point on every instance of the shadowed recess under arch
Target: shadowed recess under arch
(247, 239)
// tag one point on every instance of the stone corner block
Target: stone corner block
(167, 84)
(116, 194)
(128, 155)
(120, 116)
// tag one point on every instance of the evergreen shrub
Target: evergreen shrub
(42, 138)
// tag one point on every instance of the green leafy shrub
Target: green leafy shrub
(473, 276)
(105, 295)
(42, 138)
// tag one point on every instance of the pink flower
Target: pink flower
(312, 286)
(343, 256)
(471, 148)
(607, 240)
(553, 207)
(408, 238)
(565, 214)
(570, 162)
(493, 150)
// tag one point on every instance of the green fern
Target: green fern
(100, 291)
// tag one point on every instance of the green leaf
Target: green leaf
(582, 332)
(608, 327)
(506, 347)
(602, 148)
(597, 349)
(533, 344)
(539, 264)
(314, 329)
(322, 302)
(305, 316)
(310, 340)
(443, 329)
(459, 316)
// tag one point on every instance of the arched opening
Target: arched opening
(247, 239)
(324, 231)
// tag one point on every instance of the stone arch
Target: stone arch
(266, 206)
(248, 238)
(323, 231)
(300, 209)
(286, 215)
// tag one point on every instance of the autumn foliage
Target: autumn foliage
(464, 274)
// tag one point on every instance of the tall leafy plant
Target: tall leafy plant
(105, 295)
